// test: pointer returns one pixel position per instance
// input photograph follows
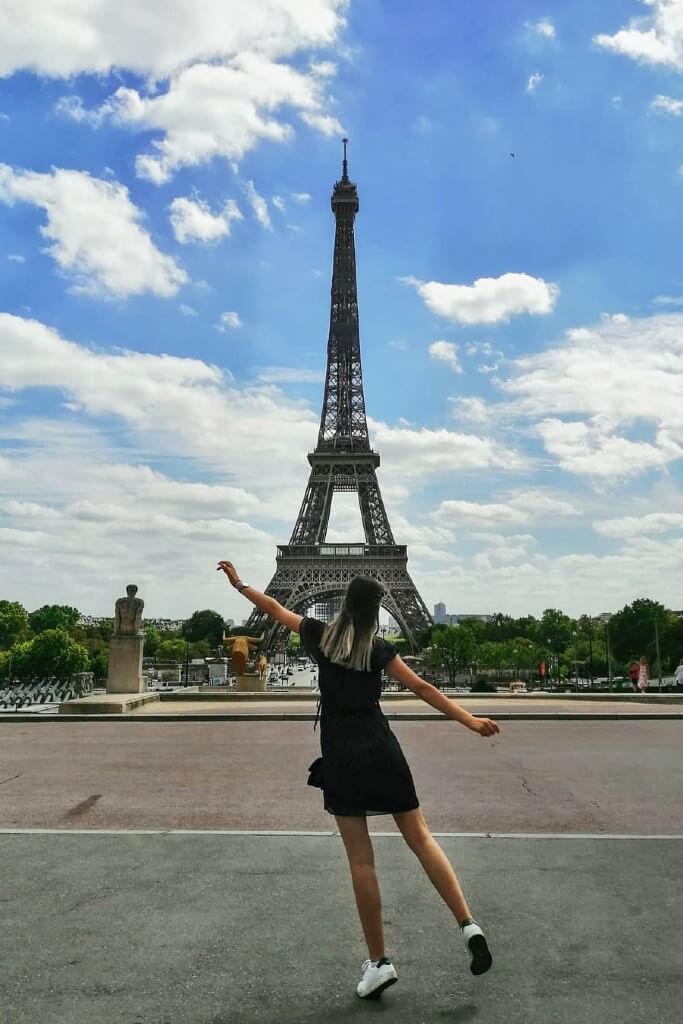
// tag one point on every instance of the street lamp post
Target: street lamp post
(659, 660)
(590, 648)
(609, 655)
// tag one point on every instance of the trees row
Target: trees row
(50, 643)
(564, 646)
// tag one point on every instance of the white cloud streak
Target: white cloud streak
(96, 233)
(446, 352)
(193, 221)
(657, 39)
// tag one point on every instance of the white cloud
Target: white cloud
(489, 300)
(179, 407)
(187, 310)
(258, 205)
(213, 110)
(279, 203)
(193, 221)
(635, 526)
(69, 38)
(96, 233)
(591, 449)
(471, 409)
(300, 197)
(459, 513)
(487, 368)
(324, 123)
(668, 104)
(586, 379)
(411, 452)
(15, 258)
(291, 375)
(668, 300)
(545, 27)
(534, 81)
(447, 352)
(229, 320)
(483, 347)
(399, 344)
(539, 504)
(657, 39)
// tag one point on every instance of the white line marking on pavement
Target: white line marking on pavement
(282, 832)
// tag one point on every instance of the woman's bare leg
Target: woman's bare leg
(354, 833)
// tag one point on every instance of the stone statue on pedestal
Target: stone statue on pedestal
(126, 644)
(128, 613)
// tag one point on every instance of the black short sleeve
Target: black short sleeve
(311, 631)
(383, 653)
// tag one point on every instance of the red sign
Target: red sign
(541, 668)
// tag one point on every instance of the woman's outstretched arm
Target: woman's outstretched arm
(398, 670)
(264, 603)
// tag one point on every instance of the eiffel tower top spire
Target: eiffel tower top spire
(345, 165)
(343, 425)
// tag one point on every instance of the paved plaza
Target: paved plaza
(159, 872)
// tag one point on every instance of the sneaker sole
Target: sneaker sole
(481, 955)
(377, 992)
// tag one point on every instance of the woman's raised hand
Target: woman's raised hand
(230, 571)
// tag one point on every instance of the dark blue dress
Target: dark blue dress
(363, 769)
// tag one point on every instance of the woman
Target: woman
(678, 675)
(364, 771)
(633, 673)
(643, 676)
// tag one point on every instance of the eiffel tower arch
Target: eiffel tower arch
(308, 569)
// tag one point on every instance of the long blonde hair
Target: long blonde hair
(348, 639)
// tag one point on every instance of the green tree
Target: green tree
(171, 650)
(493, 655)
(13, 624)
(453, 648)
(52, 654)
(632, 630)
(555, 630)
(53, 616)
(152, 641)
(200, 649)
(99, 663)
(204, 625)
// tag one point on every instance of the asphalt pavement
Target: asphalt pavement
(181, 872)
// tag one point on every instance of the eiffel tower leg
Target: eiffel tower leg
(403, 602)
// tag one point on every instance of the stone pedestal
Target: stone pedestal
(125, 665)
(249, 681)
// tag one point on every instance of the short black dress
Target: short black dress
(363, 769)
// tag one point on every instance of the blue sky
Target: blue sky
(164, 293)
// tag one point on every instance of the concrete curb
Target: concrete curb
(522, 716)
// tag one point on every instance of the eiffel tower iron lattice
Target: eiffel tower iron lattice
(309, 570)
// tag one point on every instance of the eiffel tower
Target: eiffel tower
(309, 570)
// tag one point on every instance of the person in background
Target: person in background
(643, 675)
(633, 673)
(678, 674)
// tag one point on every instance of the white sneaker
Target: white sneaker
(376, 977)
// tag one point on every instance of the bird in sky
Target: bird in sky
(512, 154)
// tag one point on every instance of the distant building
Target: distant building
(164, 625)
(440, 614)
(457, 619)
